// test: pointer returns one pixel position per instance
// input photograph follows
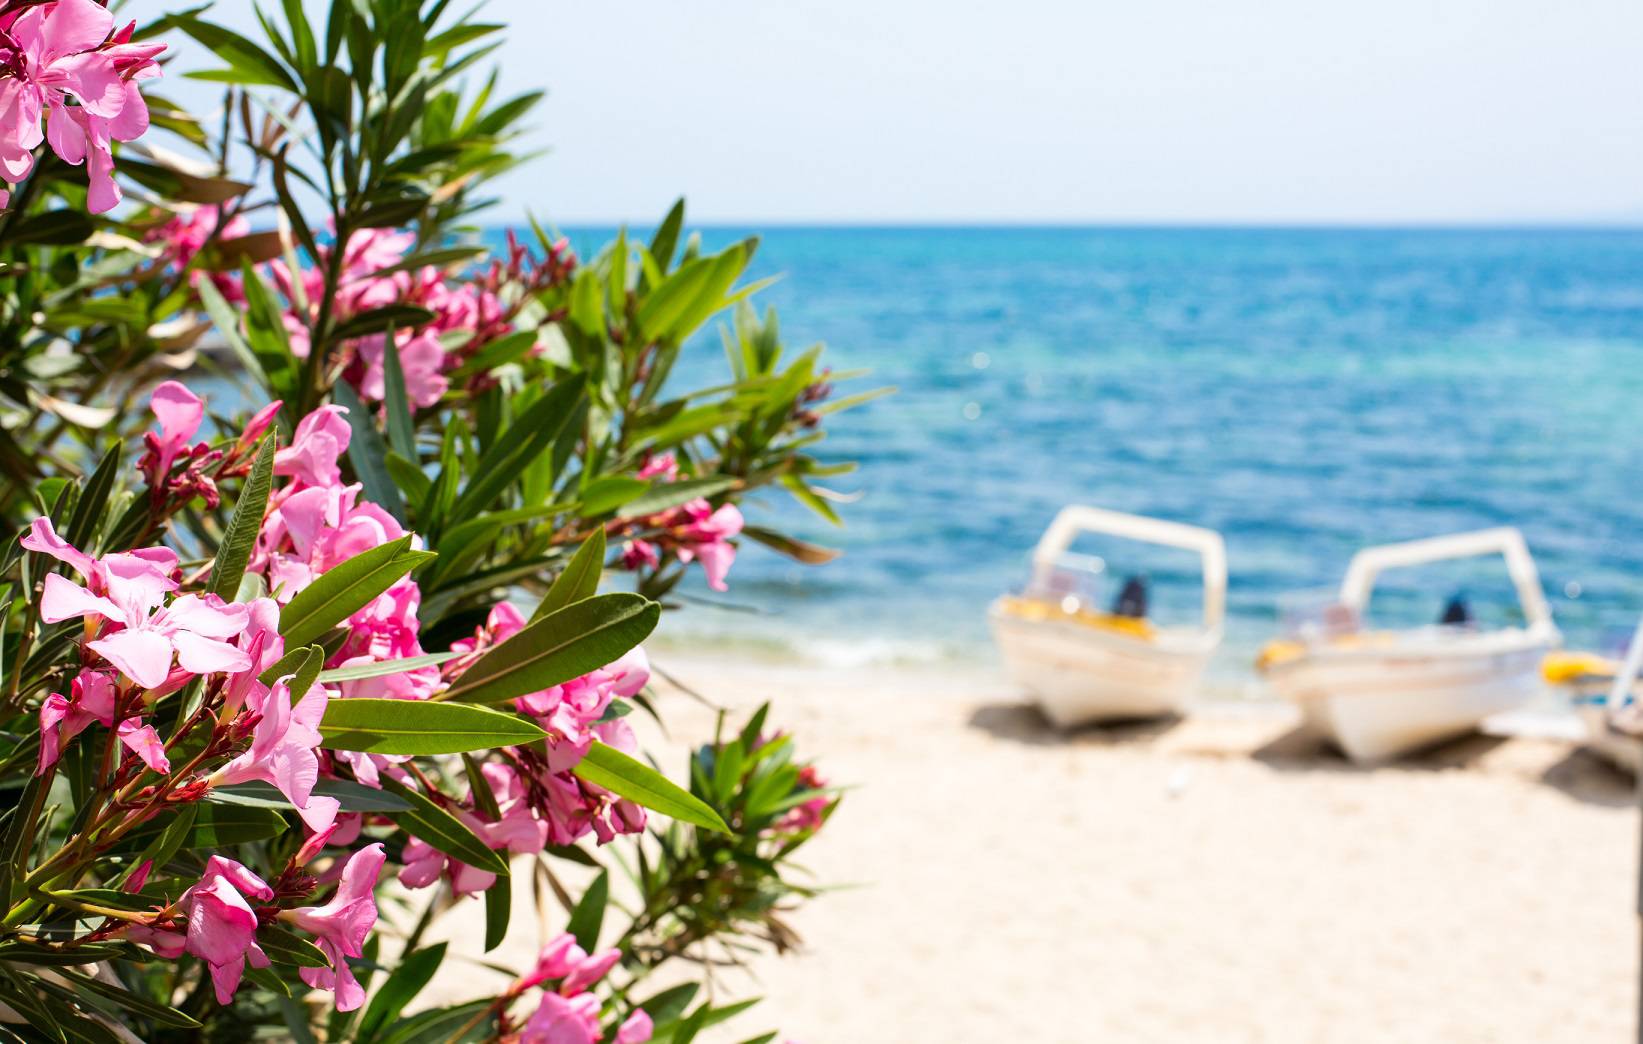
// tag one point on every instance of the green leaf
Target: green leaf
(286, 947)
(378, 320)
(217, 826)
(441, 258)
(414, 971)
(798, 550)
(250, 63)
(671, 494)
(89, 512)
(346, 588)
(579, 579)
(567, 643)
(163, 1014)
(421, 728)
(401, 429)
(443, 1025)
(589, 914)
(666, 239)
(607, 767)
(498, 900)
(65, 227)
(369, 454)
(531, 433)
(352, 796)
(610, 492)
(445, 832)
(504, 349)
(240, 538)
(356, 671)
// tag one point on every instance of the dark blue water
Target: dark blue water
(1305, 392)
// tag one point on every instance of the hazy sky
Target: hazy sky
(1081, 110)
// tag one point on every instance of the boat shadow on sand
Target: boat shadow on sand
(1022, 722)
(1575, 771)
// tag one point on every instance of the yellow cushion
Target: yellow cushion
(1561, 668)
(1038, 610)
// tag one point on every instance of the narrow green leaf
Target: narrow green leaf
(565, 644)
(346, 588)
(286, 947)
(671, 494)
(89, 512)
(589, 914)
(428, 822)
(369, 454)
(356, 671)
(352, 796)
(531, 433)
(610, 492)
(414, 971)
(579, 579)
(163, 1014)
(240, 538)
(418, 727)
(401, 429)
(607, 767)
(498, 902)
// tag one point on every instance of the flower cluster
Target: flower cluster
(567, 1013)
(693, 531)
(63, 52)
(467, 313)
(538, 800)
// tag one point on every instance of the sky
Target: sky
(1078, 111)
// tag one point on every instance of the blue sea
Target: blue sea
(1305, 392)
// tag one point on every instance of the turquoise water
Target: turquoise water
(1305, 392)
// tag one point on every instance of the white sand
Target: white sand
(1197, 881)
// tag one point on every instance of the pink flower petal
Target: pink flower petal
(145, 743)
(143, 656)
(64, 599)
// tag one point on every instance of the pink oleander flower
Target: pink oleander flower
(569, 1014)
(187, 233)
(261, 642)
(61, 50)
(663, 467)
(282, 751)
(163, 941)
(562, 1020)
(706, 536)
(320, 438)
(421, 359)
(341, 926)
(516, 830)
(635, 1029)
(569, 711)
(93, 698)
(129, 590)
(179, 412)
(222, 926)
(811, 814)
(638, 554)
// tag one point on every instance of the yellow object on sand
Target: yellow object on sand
(1562, 668)
(1039, 610)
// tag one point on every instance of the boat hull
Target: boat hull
(1618, 749)
(1378, 707)
(1079, 676)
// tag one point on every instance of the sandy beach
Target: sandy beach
(1207, 879)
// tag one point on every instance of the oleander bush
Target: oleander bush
(331, 539)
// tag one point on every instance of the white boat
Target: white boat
(1082, 665)
(1603, 689)
(1381, 694)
